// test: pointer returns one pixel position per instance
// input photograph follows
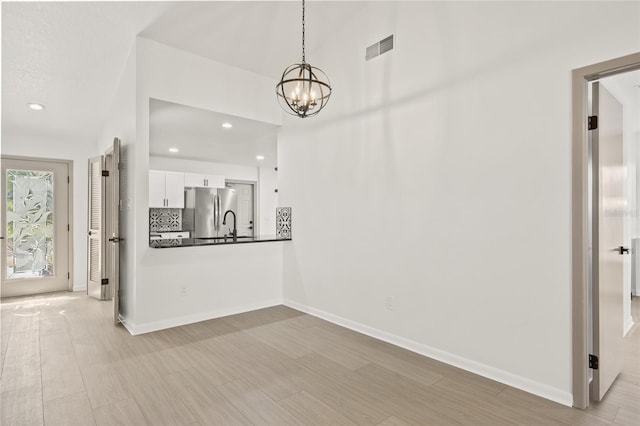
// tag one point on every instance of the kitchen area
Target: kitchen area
(232, 198)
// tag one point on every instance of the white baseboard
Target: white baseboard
(628, 324)
(148, 327)
(127, 324)
(80, 289)
(540, 389)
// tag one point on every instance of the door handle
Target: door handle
(251, 227)
(114, 240)
(623, 250)
(89, 233)
(216, 207)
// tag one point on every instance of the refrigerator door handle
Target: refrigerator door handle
(215, 212)
(216, 207)
(219, 213)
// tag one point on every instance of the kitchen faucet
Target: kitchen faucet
(234, 233)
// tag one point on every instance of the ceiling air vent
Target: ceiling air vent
(384, 45)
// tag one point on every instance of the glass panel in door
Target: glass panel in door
(30, 224)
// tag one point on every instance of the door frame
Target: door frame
(69, 164)
(581, 77)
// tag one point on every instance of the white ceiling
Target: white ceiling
(198, 133)
(70, 56)
(263, 36)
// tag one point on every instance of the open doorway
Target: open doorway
(604, 176)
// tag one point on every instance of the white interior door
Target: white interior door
(96, 230)
(608, 209)
(35, 226)
(245, 196)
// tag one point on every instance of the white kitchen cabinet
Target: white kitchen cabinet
(156, 189)
(203, 181)
(166, 189)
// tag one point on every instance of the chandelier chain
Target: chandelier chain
(303, 58)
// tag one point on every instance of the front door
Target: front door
(608, 244)
(36, 226)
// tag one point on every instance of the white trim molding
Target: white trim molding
(135, 329)
(531, 386)
(628, 325)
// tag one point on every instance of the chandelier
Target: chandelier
(303, 89)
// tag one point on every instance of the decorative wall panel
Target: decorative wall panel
(283, 222)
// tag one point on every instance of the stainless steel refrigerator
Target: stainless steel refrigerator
(204, 211)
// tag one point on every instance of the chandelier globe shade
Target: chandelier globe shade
(303, 90)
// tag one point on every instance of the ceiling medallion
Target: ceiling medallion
(303, 89)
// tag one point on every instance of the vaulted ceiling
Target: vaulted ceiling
(70, 56)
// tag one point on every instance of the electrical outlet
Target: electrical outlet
(390, 303)
(183, 291)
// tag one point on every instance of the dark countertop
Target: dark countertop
(192, 242)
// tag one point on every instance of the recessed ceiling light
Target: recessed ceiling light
(259, 157)
(227, 125)
(35, 106)
(173, 149)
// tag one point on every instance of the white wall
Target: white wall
(251, 270)
(219, 281)
(447, 165)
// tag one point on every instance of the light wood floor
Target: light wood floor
(63, 363)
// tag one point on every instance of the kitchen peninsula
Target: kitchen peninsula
(191, 242)
(197, 283)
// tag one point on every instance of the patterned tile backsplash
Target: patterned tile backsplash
(165, 243)
(283, 222)
(165, 220)
(161, 220)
